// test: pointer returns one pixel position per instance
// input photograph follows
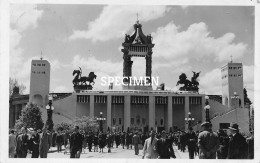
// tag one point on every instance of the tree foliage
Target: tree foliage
(31, 118)
(14, 83)
(63, 126)
(246, 99)
(86, 123)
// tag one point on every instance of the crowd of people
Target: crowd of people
(206, 144)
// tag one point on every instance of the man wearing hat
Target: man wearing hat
(191, 142)
(237, 144)
(22, 144)
(208, 142)
(164, 147)
(135, 141)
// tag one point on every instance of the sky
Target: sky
(186, 38)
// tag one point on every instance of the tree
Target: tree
(87, 123)
(14, 83)
(31, 118)
(246, 99)
(63, 126)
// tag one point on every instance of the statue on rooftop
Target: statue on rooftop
(189, 85)
(80, 82)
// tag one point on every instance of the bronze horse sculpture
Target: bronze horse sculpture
(78, 79)
(189, 85)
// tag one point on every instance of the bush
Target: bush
(31, 118)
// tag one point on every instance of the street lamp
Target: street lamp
(49, 108)
(189, 119)
(101, 121)
(235, 97)
(207, 107)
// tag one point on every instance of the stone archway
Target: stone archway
(38, 99)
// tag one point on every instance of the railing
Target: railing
(222, 113)
(139, 91)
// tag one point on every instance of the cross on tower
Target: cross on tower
(137, 18)
(41, 55)
(231, 58)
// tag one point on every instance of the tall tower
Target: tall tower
(39, 82)
(137, 45)
(232, 85)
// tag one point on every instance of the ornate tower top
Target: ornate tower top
(137, 45)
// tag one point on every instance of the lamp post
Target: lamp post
(207, 107)
(49, 108)
(101, 120)
(235, 97)
(189, 119)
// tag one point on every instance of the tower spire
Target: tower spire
(231, 61)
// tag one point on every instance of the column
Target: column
(91, 105)
(187, 109)
(109, 103)
(203, 111)
(151, 112)
(16, 113)
(127, 111)
(169, 112)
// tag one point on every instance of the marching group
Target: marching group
(206, 143)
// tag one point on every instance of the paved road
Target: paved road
(115, 153)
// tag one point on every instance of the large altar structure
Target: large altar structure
(135, 107)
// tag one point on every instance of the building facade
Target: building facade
(39, 82)
(232, 85)
(133, 109)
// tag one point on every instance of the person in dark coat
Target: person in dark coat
(66, 138)
(54, 135)
(109, 142)
(95, 140)
(237, 145)
(135, 141)
(164, 147)
(183, 141)
(101, 142)
(59, 141)
(208, 142)
(250, 142)
(123, 139)
(127, 140)
(22, 144)
(143, 138)
(76, 142)
(117, 139)
(131, 138)
(90, 142)
(191, 142)
(45, 143)
(35, 141)
(223, 145)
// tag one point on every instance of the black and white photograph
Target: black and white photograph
(129, 80)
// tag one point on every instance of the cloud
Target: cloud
(194, 43)
(24, 16)
(210, 83)
(114, 21)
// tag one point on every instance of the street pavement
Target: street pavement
(119, 153)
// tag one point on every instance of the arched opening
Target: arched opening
(37, 99)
